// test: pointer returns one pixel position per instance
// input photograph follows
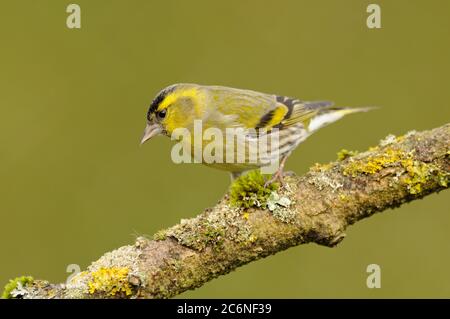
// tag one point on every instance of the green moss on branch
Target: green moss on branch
(252, 222)
(14, 286)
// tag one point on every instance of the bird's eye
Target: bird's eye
(161, 114)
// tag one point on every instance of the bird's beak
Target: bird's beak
(150, 131)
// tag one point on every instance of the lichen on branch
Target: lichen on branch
(251, 222)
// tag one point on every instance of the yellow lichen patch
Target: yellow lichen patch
(373, 164)
(110, 281)
(420, 173)
(416, 173)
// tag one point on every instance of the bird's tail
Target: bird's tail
(350, 110)
(332, 114)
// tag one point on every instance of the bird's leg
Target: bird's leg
(278, 175)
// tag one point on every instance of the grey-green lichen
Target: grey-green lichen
(124, 257)
(281, 203)
(15, 287)
(388, 140)
(322, 179)
(280, 206)
(211, 228)
(275, 201)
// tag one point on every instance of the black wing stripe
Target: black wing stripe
(265, 119)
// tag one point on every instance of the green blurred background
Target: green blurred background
(74, 182)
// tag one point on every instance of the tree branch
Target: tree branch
(316, 207)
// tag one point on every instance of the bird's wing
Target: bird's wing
(254, 110)
(301, 111)
(241, 108)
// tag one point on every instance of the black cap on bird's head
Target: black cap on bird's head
(172, 104)
(154, 126)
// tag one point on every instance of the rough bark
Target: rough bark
(320, 205)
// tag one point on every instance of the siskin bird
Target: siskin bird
(180, 105)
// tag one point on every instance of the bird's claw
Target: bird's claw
(277, 177)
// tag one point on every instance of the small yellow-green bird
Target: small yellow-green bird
(180, 105)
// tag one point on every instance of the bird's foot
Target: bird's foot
(277, 177)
